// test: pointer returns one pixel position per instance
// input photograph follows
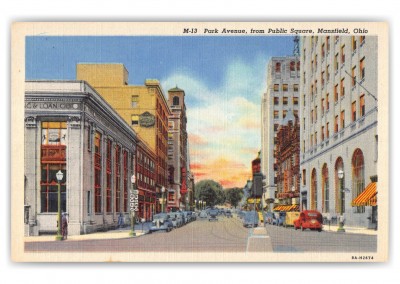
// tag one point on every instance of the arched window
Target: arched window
(175, 101)
(339, 199)
(292, 66)
(325, 189)
(357, 163)
(278, 67)
(314, 197)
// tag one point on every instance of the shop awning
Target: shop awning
(251, 200)
(286, 208)
(368, 197)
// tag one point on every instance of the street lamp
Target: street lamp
(341, 176)
(132, 232)
(59, 176)
(163, 199)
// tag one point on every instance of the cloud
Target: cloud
(224, 122)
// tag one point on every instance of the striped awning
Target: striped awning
(368, 197)
(286, 208)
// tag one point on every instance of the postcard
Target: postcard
(200, 142)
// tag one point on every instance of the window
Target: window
(315, 113)
(328, 75)
(108, 173)
(322, 133)
(97, 173)
(322, 78)
(53, 159)
(342, 88)
(342, 119)
(353, 111)
(284, 113)
(295, 101)
(336, 62)
(327, 102)
(353, 43)
(314, 196)
(175, 101)
(325, 189)
(117, 174)
(362, 68)
(304, 99)
(276, 87)
(322, 106)
(276, 114)
(316, 138)
(276, 127)
(296, 87)
(362, 40)
(296, 113)
(336, 124)
(292, 67)
(285, 87)
(312, 116)
(311, 140)
(285, 100)
(276, 101)
(135, 100)
(328, 43)
(358, 177)
(323, 50)
(327, 130)
(335, 91)
(278, 67)
(353, 76)
(304, 176)
(135, 119)
(362, 105)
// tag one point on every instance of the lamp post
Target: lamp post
(163, 199)
(341, 176)
(59, 176)
(132, 232)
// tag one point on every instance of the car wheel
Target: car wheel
(319, 230)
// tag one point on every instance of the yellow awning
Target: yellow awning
(286, 208)
(368, 197)
(251, 200)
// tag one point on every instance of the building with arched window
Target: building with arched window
(338, 129)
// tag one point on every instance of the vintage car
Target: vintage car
(228, 214)
(212, 215)
(309, 219)
(203, 214)
(176, 219)
(161, 222)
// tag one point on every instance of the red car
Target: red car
(309, 219)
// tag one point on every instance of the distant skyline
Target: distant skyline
(223, 78)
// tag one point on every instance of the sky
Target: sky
(223, 78)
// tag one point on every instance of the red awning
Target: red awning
(368, 197)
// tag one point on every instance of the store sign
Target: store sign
(146, 119)
(134, 200)
(51, 105)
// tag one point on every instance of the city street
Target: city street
(224, 235)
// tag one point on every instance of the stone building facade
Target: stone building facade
(70, 128)
(338, 125)
(283, 78)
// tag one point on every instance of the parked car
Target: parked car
(241, 214)
(161, 222)
(309, 219)
(212, 215)
(177, 219)
(194, 216)
(269, 218)
(185, 217)
(228, 214)
(203, 214)
(250, 219)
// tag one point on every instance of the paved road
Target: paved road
(225, 235)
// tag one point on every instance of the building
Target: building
(338, 126)
(145, 181)
(143, 107)
(70, 128)
(283, 78)
(178, 166)
(288, 164)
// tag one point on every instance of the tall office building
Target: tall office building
(283, 77)
(338, 127)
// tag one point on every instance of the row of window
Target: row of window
(285, 100)
(293, 66)
(285, 87)
(284, 113)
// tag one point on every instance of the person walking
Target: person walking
(64, 226)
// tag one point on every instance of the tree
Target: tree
(234, 195)
(209, 191)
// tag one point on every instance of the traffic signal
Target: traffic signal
(257, 188)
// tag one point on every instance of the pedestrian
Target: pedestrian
(120, 221)
(64, 226)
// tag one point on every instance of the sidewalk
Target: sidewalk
(350, 230)
(112, 234)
